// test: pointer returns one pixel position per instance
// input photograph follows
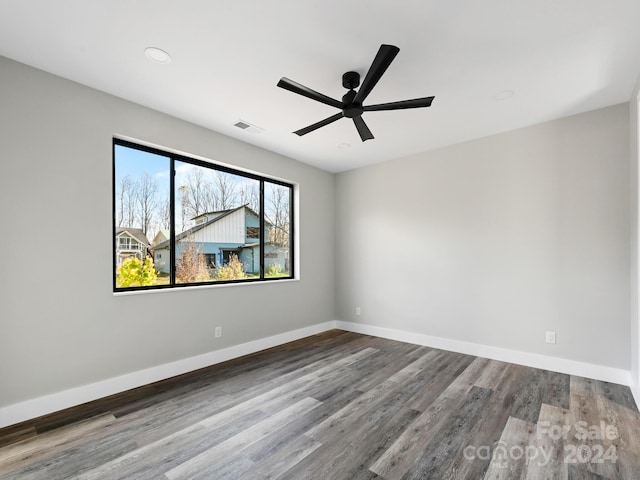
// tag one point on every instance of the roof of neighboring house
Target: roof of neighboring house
(221, 213)
(215, 215)
(218, 216)
(136, 233)
(162, 236)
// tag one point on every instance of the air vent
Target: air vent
(246, 126)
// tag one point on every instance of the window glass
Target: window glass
(277, 206)
(216, 209)
(180, 221)
(141, 214)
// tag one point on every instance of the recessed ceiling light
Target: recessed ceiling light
(157, 55)
(504, 95)
(344, 146)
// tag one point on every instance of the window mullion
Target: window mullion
(172, 222)
(262, 230)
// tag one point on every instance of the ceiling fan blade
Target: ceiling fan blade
(415, 103)
(295, 87)
(383, 59)
(363, 130)
(321, 123)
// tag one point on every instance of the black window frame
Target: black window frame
(176, 157)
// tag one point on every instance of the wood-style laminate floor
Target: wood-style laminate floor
(341, 406)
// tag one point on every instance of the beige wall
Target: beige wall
(497, 240)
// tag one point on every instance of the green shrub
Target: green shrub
(136, 273)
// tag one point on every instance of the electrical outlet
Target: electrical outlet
(551, 337)
(218, 332)
(358, 311)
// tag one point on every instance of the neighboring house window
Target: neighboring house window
(253, 232)
(181, 221)
(127, 243)
(210, 260)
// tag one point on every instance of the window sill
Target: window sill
(200, 287)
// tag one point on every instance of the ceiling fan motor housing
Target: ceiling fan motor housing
(351, 80)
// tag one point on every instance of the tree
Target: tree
(277, 213)
(225, 191)
(192, 267)
(184, 206)
(195, 192)
(250, 196)
(147, 203)
(127, 195)
(207, 190)
(164, 215)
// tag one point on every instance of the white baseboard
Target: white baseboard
(555, 364)
(37, 407)
(635, 389)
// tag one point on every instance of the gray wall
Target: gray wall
(60, 324)
(497, 240)
(635, 237)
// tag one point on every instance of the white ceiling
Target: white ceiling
(560, 57)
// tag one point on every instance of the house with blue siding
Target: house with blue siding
(217, 236)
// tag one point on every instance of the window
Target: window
(210, 260)
(203, 223)
(126, 243)
(253, 232)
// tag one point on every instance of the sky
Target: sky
(134, 163)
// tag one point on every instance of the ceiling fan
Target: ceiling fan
(351, 104)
